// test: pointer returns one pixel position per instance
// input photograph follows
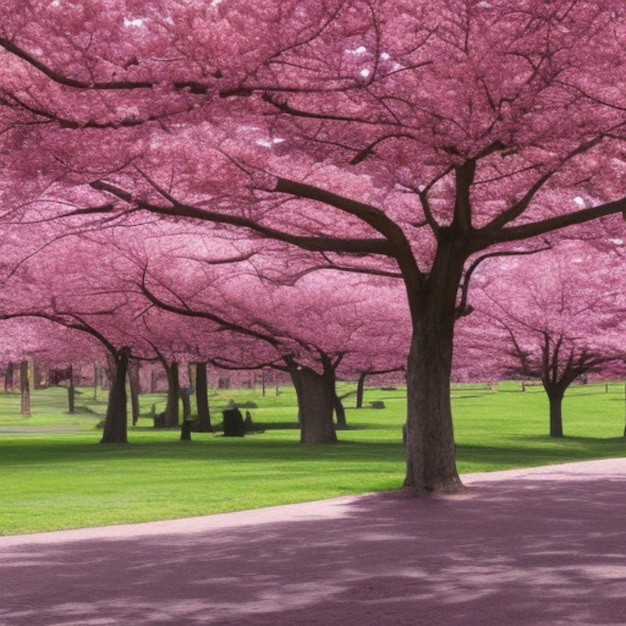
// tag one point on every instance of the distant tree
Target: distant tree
(560, 315)
(73, 290)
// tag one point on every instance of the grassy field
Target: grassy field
(54, 474)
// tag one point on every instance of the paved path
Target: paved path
(538, 546)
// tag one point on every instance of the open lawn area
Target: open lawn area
(54, 474)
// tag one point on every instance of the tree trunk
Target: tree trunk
(555, 399)
(41, 376)
(134, 385)
(430, 449)
(360, 389)
(116, 421)
(202, 399)
(340, 413)
(316, 401)
(71, 391)
(172, 412)
(8, 376)
(96, 380)
(24, 389)
(185, 399)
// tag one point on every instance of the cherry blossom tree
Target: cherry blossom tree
(559, 317)
(306, 328)
(79, 284)
(404, 137)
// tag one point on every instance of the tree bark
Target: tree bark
(340, 412)
(172, 412)
(24, 389)
(134, 385)
(96, 380)
(360, 389)
(116, 421)
(185, 399)
(430, 448)
(316, 401)
(202, 399)
(555, 399)
(71, 391)
(8, 376)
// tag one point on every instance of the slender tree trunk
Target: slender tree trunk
(96, 380)
(41, 376)
(134, 385)
(555, 399)
(185, 399)
(116, 421)
(172, 411)
(340, 413)
(71, 391)
(24, 389)
(8, 376)
(316, 401)
(360, 390)
(624, 410)
(191, 375)
(202, 399)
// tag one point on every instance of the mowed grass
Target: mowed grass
(54, 474)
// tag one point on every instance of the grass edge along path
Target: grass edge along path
(62, 478)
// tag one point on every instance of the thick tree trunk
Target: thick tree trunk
(430, 448)
(134, 385)
(71, 391)
(116, 421)
(316, 401)
(202, 399)
(24, 389)
(340, 413)
(555, 399)
(172, 412)
(360, 389)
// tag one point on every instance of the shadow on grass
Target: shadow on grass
(537, 450)
(204, 447)
(520, 552)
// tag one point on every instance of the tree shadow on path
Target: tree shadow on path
(514, 548)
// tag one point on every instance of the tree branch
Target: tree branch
(311, 243)
(398, 244)
(542, 227)
(462, 308)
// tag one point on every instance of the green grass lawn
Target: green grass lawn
(54, 474)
